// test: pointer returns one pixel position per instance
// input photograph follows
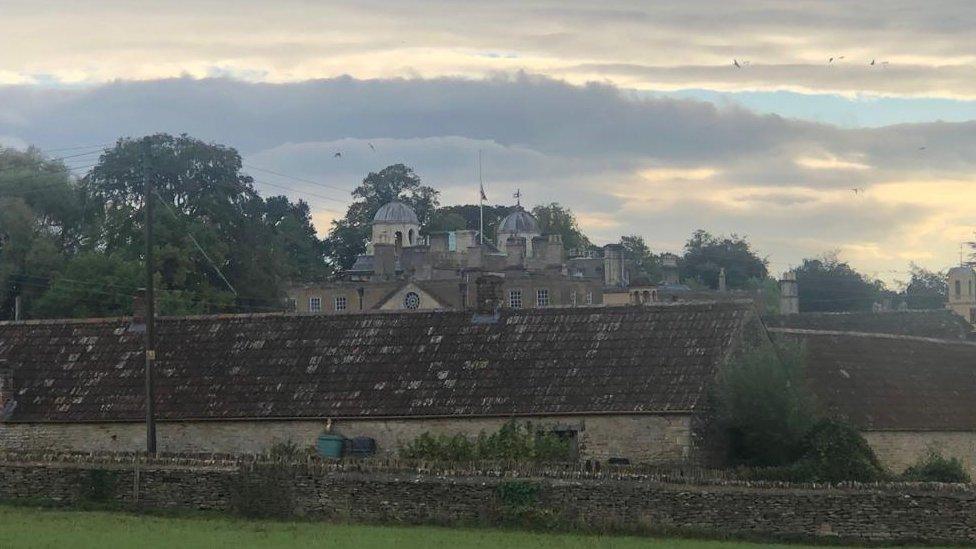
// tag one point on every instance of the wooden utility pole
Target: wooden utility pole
(150, 340)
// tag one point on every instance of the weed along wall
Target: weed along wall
(546, 498)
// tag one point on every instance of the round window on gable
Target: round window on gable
(411, 300)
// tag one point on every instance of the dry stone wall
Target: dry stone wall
(604, 501)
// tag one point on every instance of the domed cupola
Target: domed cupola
(395, 213)
(521, 224)
(396, 223)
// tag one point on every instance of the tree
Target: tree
(556, 219)
(764, 406)
(828, 284)
(449, 217)
(645, 262)
(72, 247)
(706, 255)
(926, 289)
(349, 235)
(41, 220)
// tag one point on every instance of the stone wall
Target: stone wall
(639, 438)
(605, 501)
(899, 449)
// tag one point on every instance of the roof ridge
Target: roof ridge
(801, 331)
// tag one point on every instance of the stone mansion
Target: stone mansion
(403, 270)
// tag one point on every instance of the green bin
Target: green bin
(330, 446)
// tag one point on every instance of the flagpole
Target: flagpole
(481, 200)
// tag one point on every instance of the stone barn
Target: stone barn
(623, 382)
(908, 394)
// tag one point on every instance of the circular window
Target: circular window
(411, 300)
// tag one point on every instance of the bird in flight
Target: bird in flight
(372, 148)
(337, 155)
(921, 148)
(736, 63)
(871, 63)
(831, 60)
(857, 191)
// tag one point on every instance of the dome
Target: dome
(396, 212)
(519, 222)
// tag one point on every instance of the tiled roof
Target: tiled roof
(941, 324)
(888, 382)
(655, 359)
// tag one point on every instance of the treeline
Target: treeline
(73, 246)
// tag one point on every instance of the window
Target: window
(572, 297)
(411, 300)
(589, 298)
(291, 304)
(315, 304)
(542, 297)
(515, 299)
(341, 303)
(958, 288)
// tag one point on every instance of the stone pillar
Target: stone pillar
(488, 288)
(669, 264)
(613, 265)
(384, 260)
(722, 286)
(515, 248)
(789, 294)
(6, 391)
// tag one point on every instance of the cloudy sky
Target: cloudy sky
(631, 113)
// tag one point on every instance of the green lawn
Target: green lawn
(29, 527)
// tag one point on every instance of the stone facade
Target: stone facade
(639, 438)
(608, 502)
(899, 449)
(962, 292)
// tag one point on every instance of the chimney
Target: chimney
(789, 294)
(515, 247)
(722, 287)
(613, 265)
(669, 264)
(6, 392)
(488, 288)
(138, 322)
(384, 260)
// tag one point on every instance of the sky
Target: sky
(846, 127)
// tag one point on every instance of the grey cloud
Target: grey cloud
(578, 145)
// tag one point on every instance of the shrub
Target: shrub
(764, 407)
(285, 451)
(933, 467)
(836, 451)
(513, 442)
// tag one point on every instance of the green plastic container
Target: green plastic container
(329, 446)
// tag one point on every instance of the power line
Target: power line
(296, 178)
(197, 244)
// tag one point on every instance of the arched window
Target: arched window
(398, 239)
(410, 237)
(958, 288)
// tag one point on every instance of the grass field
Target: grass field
(30, 527)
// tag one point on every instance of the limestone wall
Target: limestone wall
(899, 449)
(643, 438)
(897, 513)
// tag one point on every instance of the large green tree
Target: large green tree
(925, 289)
(706, 255)
(74, 248)
(41, 221)
(646, 263)
(828, 284)
(349, 234)
(556, 219)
